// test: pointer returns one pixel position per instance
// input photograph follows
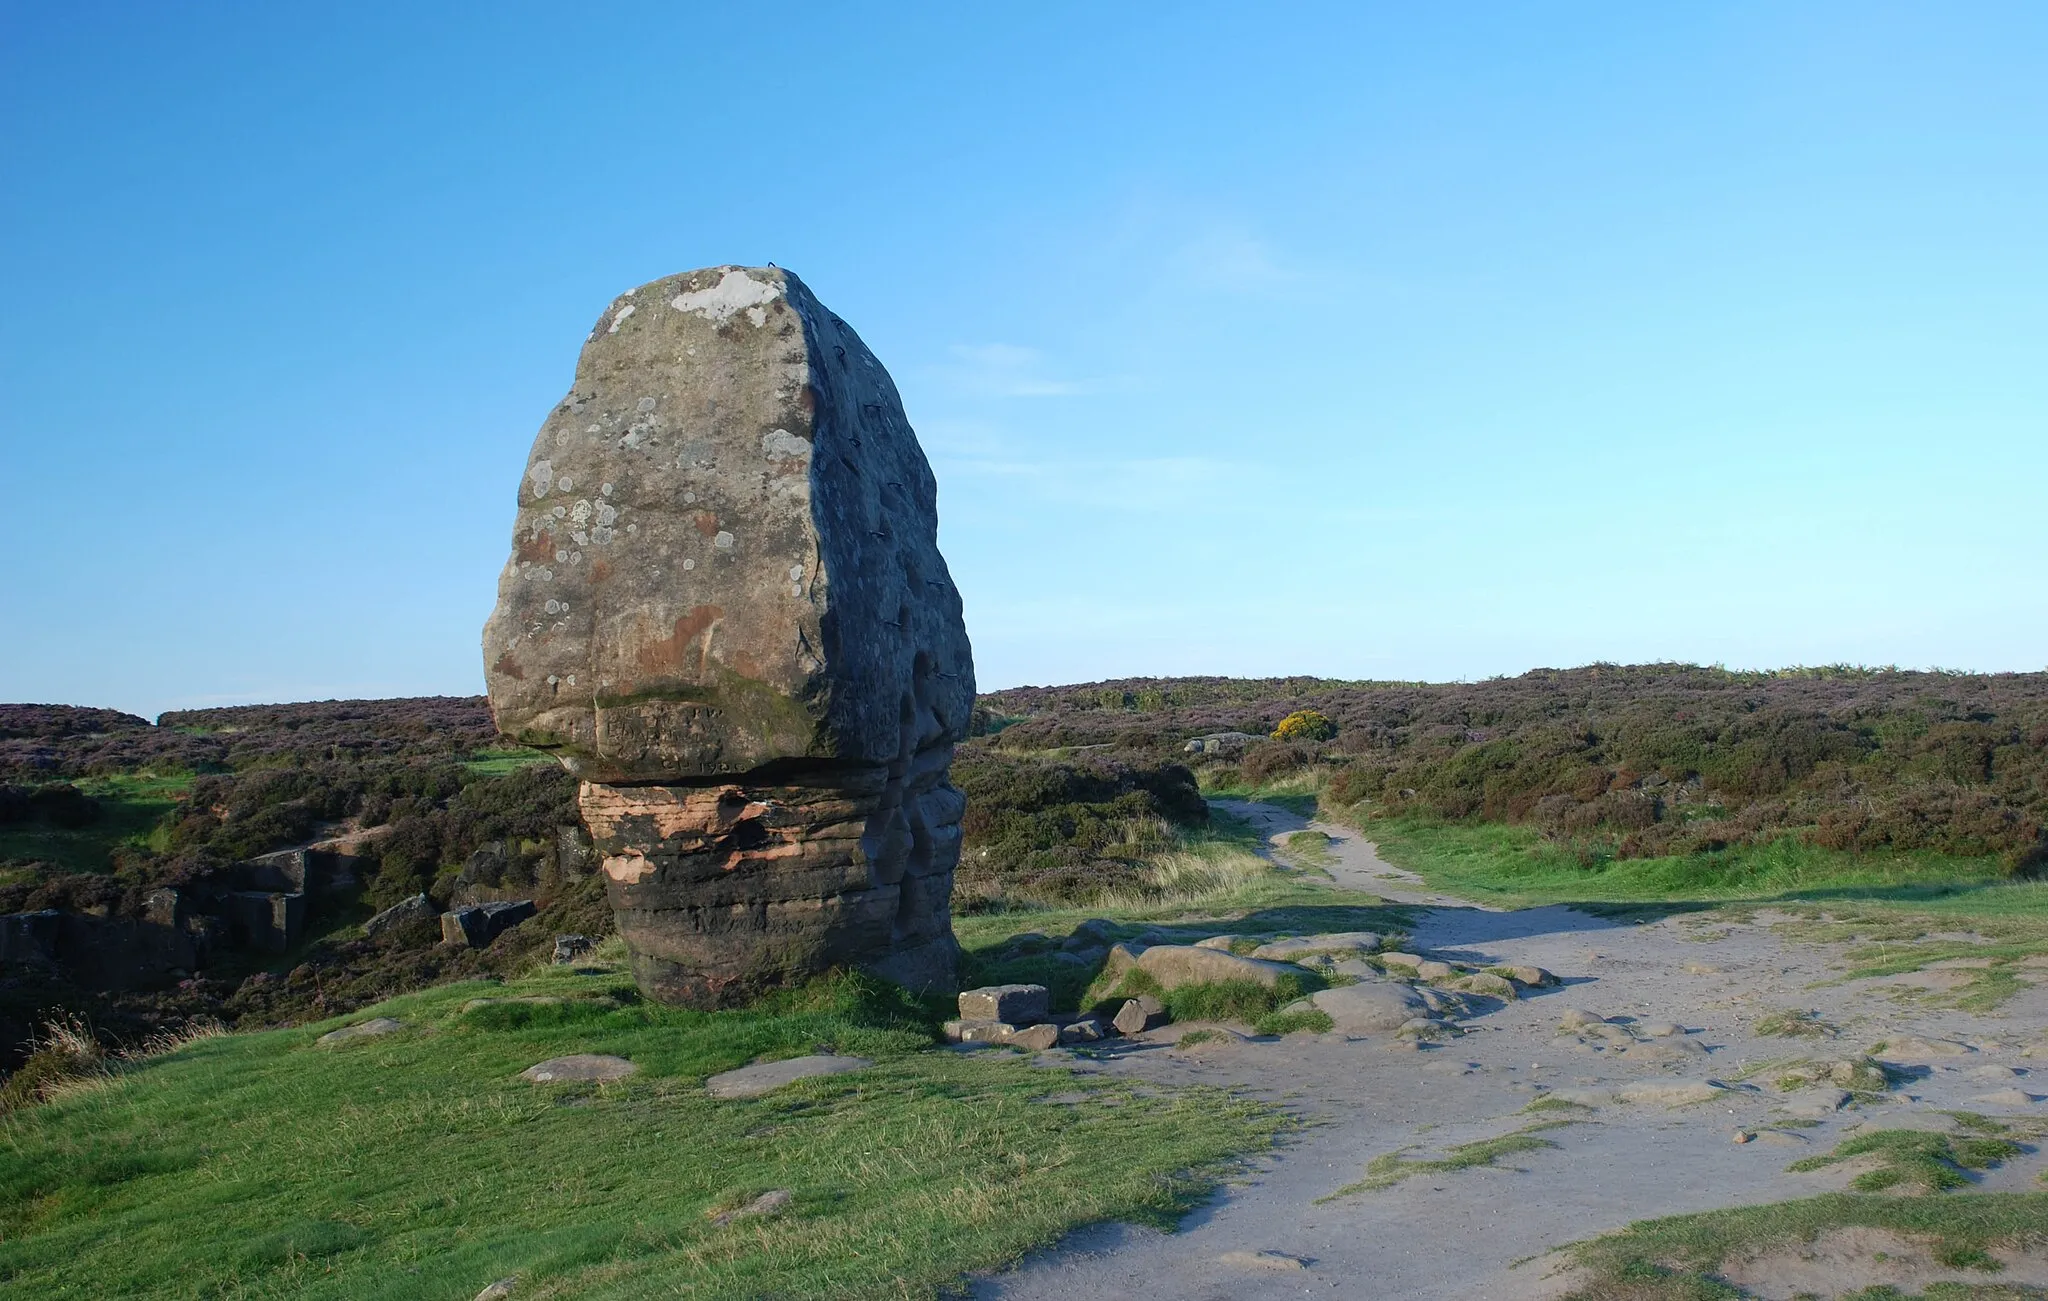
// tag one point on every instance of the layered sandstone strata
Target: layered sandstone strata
(726, 611)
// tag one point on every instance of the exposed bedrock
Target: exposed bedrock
(727, 613)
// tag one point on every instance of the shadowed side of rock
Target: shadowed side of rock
(726, 611)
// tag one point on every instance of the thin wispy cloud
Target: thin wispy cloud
(1006, 370)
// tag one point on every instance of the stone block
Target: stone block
(1017, 1004)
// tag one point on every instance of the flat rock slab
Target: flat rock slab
(1176, 965)
(362, 1030)
(1912, 1048)
(766, 1077)
(579, 1066)
(1671, 1093)
(1301, 946)
(1369, 1007)
(1278, 1262)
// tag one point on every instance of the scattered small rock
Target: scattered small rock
(1534, 977)
(1085, 1029)
(765, 1077)
(1742, 1136)
(578, 1066)
(361, 1030)
(568, 948)
(499, 1290)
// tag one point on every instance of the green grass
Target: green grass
(1309, 849)
(1515, 866)
(1929, 1161)
(497, 763)
(1674, 1259)
(131, 805)
(1388, 1169)
(418, 1165)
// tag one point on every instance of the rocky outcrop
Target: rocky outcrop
(726, 611)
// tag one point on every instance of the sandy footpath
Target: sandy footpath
(1460, 1234)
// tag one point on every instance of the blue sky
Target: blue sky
(1359, 340)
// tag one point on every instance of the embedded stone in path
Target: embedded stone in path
(765, 1077)
(361, 1030)
(1369, 1007)
(1276, 1261)
(1671, 1093)
(594, 1067)
(725, 610)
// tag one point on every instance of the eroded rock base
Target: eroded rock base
(730, 887)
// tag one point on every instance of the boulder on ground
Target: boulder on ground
(1217, 942)
(725, 610)
(1121, 958)
(1140, 1014)
(1084, 1029)
(1485, 982)
(1036, 1038)
(1535, 977)
(1017, 1004)
(1369, 1007)
(376, 1025)
(1174, 965)
(476, 926)
(405, 912)
(568, 948)
(499, 1290)
(1301, 946)
(764, 1077)
(596, 1067)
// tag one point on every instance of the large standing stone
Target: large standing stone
(726, 611)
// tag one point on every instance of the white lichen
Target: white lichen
(735, 291)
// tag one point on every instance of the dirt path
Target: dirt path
(1460, 1233)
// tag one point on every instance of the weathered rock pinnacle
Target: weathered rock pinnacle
(727, 613)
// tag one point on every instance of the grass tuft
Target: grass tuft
(1391, 1168)
(1917, 1158)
